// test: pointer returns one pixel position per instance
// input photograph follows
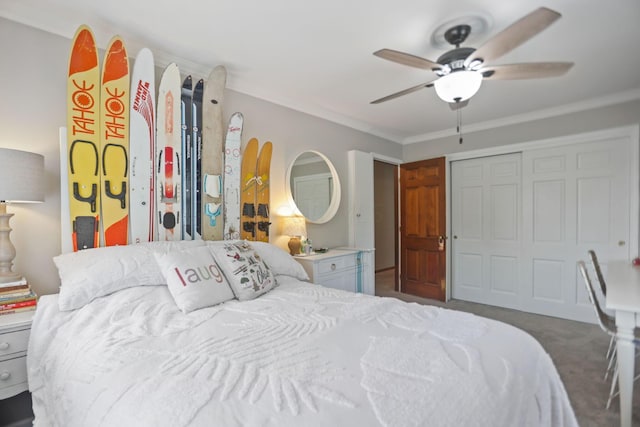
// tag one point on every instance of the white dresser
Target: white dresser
(14, 338)
(343, 268)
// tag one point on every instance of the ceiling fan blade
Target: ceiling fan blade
(402, 92)
(514, 35)
(533, 70)
(407, 59)
(458, 105)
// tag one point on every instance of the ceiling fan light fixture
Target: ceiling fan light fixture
(458, 86)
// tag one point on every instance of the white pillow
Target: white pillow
(247, 273)
(279, 261)
(194, 279)
(92, 273)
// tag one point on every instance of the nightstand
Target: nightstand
(340, 269)
(14, 338)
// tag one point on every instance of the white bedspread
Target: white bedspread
(301, 355)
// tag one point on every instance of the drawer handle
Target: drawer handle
(333, 267)
(5, 375)
(4, 346)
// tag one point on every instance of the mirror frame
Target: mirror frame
(334, 204)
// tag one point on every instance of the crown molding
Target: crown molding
(590, 104)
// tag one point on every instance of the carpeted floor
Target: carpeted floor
(577, 349)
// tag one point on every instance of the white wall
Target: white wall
(610, 116)
(33, 107)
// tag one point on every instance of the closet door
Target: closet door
(520, 222)
(487, 229)
(576, 198)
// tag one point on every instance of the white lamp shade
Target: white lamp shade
(294, 226)
(21, 176)
(458, 86)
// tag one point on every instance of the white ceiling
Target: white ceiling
(316, 57)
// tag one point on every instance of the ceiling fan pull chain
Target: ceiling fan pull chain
(459, 125)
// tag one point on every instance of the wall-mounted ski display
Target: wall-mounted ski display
(187, 149)
(142, 168)
(83, 140)
(142, 139)
(248, 190)
(196, 156)
(263, 192)
(212, 155)
(232, 177)
(114, 143)
(169, 155)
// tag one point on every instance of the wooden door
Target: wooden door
(423, 225)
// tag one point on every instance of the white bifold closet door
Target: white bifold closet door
(521, 221)
(486, 209)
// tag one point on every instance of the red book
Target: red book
(20, 304)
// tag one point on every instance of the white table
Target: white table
(623, 296)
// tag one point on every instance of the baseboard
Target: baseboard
(393, 267)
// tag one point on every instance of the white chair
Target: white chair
(607, 323)
(611, 350)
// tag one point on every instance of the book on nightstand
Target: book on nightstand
(20, 281)
(17, 296)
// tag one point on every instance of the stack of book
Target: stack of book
(17, 296)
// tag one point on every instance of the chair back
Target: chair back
(607, 322)
(596, 266)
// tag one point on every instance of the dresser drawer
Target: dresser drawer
(332, 265)
(345, 281)
(13, 372)
(14, 342)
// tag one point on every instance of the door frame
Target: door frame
(632, 132)
(373, 156)
(396, 223)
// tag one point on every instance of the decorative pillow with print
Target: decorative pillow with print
(247, 273)
(194, 279)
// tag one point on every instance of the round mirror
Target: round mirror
(313, 187)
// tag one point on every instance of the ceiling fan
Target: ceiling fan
(460, 71)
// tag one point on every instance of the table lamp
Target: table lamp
(21, 181)
(294, 227)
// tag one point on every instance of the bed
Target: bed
(116, 347)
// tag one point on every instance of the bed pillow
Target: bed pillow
(92, 273)
(194, 279)
(280, 261)
(247, 273)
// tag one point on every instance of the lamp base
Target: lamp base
(7, 250)
(294, 245)
(12, 277)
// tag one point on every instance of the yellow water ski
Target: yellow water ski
(114, 123)
(83, 140)
(262, 192)
(248, 191)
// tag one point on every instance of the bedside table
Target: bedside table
(342, 268)
(14, 338)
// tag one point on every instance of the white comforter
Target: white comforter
(301, 355)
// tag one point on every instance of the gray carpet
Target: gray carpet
(577, 349)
